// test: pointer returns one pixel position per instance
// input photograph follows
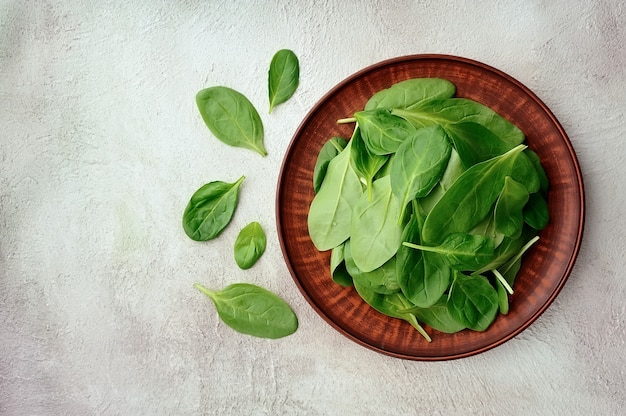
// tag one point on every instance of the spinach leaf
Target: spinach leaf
(331, 148)
(365, 163)
(232, 118)
(487, 227)
(475, 143)
(383, 132)
(375, 232)
(536, 213)
(338, 271)
(423, 276)
(419, 164)
(250, 245)
(508, 248)
(409, 93)
(252, 310)
(394, 305)
(543, 178)
(508, 212)
(470, 198)
(472, 301)
(462, 251)
(210, 209)
(330, 213)
(438, 317)
(383, 279)
(283, 77)
(503, 298)
(460, 110)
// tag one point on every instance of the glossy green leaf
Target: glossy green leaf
(461, 110)
(211, 209)
(394, 305)
(253, 310)
(331, 148)
(232, 118)
(383, 279)
(462, 251)
(365, 163)
(508, 212)
(438, 317)
(469, 199)
(330, 213)
(283, 77)
(423, 277)
(250, 245)
(472, 301)
(383, 132)
(476, 143)
(543, 177)
(409, 93)
(419, 164)
(375, 232)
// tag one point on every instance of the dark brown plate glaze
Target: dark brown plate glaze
(546, 266)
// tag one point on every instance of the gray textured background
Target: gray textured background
(102, 146)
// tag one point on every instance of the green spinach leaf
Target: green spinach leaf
(508, 212)
(475, 143)
(375, 232)
(419, 164)
(383, 279)
(252, 310)
(536, 213)
(330, 213)
(438, 317)
(250, 245)
(338, 271)
(472, 301)
(365, 163)
(383, 132)
(462, 251)
(211, 209)
(331, 148)
(470, 198)
(232, 118)
(283, 77)
(409, 93)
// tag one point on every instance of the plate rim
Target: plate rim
(443, 58)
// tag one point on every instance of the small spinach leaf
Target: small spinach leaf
(475, 143)
(250, 245)
(338, 271)
(252, 310)
(283, 77)
(232, 118)
(211, 209)
(438, 317)
(536, 213)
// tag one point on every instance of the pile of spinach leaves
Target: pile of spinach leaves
(429, 206)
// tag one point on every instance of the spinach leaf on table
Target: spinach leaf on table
(252, 310)
(250, 245)
(283, 77)
(211, 209)
(232, 118)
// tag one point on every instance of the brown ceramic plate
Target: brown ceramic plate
(546, 266)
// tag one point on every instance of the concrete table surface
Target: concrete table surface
(102, 146)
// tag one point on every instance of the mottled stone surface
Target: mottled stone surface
(102, 146)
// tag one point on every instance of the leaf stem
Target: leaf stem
(503, 281)
(346, 120)
(204, 290)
